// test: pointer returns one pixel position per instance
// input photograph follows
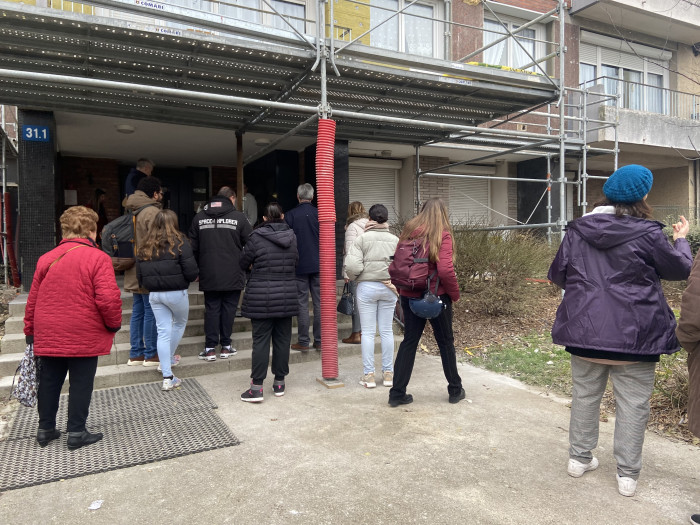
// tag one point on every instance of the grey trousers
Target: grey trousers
(306, 284)
(632, 386)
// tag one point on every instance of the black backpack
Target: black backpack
(118, 239)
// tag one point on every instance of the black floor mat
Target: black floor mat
(141, 425)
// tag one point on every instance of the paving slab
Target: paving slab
(327, 456)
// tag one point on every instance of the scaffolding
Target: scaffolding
(235, 74)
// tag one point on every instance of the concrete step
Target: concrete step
(17, 305)
(190, 345)
(190, 366)
(14, 342)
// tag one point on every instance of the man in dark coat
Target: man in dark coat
(218, 234)
(304, 221)
(144, 168)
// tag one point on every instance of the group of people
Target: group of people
(613, 318)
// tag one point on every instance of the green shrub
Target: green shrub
(492, 267)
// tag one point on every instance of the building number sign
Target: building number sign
(35, 133)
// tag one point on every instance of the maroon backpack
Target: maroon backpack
(410, 266)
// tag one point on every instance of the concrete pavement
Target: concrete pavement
(319, 456)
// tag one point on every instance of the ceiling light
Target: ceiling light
(262, 142)
(125, 128)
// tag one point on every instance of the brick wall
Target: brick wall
(85, 175)
(434, 186)
(541, 6)
(464, 39)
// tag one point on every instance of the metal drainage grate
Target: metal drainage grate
(141, 425)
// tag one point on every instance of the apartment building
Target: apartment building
(460, 100)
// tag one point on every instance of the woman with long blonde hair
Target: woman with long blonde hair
(165, 267)
(354, 227)
(432, 232)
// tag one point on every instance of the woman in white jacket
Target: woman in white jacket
(354, 226)
(367, 262)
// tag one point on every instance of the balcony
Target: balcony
(648, 115)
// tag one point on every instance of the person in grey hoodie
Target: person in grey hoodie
(270, 300)
(613, 319)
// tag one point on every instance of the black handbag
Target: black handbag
(347, 301)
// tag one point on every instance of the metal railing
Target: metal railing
(649, 98)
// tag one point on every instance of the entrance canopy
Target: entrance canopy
(58, 60)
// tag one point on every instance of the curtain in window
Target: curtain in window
(633, 89)
(288, 8)
(419, 31)
(611, 75)
(387, 36)
(586, 75)
(496, 55)
(229, 8)
(526, 39)
(655, 93)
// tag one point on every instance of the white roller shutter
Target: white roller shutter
(469, 201)
(374, 182)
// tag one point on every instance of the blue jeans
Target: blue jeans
(170, 310)
(376, 303)
(305, 284)
(143, 329)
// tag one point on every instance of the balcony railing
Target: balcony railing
(648, 98)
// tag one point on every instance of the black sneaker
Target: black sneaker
(458, 397)
(252, 396)
(405, 400)
(208, 354)
(227, 351)
(278, 389)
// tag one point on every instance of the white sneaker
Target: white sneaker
(388, 378)
(171, 384)
(626, 486)
(576, 468)
(368, 380)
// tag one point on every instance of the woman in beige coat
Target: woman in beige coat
(354, 227)
(688, 333)
(367, 262)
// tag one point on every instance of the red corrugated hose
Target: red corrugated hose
(326, 218)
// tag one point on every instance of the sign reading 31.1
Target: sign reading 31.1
(35, 133)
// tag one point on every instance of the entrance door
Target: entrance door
(182, 191)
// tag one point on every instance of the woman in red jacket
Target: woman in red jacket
(72, 314)
(431, 227)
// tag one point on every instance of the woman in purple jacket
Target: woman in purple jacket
(614, 319)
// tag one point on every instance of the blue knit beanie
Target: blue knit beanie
(628, 184)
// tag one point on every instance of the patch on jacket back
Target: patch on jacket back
(231, 224)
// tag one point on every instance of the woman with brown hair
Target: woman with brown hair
(166, 267)
(354, 227)
(613, 319)
(432, 231)
(73, 310)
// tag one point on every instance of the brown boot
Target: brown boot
(354, 338)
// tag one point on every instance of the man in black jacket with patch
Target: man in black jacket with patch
(218, 234)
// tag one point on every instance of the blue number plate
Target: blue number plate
(35, 133)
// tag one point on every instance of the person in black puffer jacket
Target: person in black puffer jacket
(166, 266)
(270, 300)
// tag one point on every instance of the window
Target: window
(511, 52)
(639, 75)
(257, 12)
(412, 31)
